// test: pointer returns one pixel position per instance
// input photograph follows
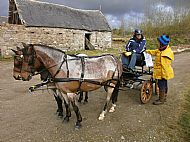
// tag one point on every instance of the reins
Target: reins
(51, 80)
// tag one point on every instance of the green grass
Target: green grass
(185, 118)
(152, 42)
(115, 50)
(5, 59)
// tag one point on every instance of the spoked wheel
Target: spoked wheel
(146, 91)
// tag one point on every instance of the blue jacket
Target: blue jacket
(136, 46)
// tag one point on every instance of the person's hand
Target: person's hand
(127, 53)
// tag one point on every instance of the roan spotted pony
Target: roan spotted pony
(70, 74)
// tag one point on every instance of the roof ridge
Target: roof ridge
(62, 5)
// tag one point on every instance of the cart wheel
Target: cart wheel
(146, 91)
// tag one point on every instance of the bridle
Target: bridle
(30, 59)
(24, 57)
(18, 61)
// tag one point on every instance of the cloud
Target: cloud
(114, 7)
(110, 7)
(114, 10)
(4, 7)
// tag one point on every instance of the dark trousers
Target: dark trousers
(163, 85)
(130, 62)
(134, 58)
(125, 60)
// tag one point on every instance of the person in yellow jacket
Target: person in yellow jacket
(162, 67)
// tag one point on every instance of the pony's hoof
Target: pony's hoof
(101, 118)
(112, 110)
(78, 125)
(66, 119)
(85, 102)
(60, 115)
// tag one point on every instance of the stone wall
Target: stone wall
(65, 39)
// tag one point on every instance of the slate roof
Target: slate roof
(42, 14)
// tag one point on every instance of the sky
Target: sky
(116, 10)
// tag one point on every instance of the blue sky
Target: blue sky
(115, 10)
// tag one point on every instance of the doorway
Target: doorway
(87, 41)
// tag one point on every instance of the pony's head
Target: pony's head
(24, 63)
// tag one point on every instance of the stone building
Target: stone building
(56, 25)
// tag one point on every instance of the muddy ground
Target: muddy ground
(32, 118)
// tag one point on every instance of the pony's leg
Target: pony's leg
(67, 105)
(59, 102)
(72, 98)
(80, 96)
(114, 97)
(59, 105)
(86, 97)
(68, 111)
(109, 94)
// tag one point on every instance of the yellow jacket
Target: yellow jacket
(162, 64)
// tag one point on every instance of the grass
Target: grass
(6, 59)
(185, 118)
(152, 42)
(117, 48)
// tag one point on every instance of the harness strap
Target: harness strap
(50, 80)
(82, 73)
(33, 88)
(60, 66)
(84, 80)
(67, 66)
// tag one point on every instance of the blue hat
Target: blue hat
(164, 39)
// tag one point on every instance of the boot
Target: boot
(166, 92)
(161, 99)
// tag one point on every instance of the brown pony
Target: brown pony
(44, 75)
(71, 74)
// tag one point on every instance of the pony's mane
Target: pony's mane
(49, 47)
(72, 55)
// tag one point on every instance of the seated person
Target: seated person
(135, 47)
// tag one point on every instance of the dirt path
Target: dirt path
(32, 118)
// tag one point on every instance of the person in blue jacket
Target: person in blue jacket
(135, 46)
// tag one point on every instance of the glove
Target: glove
(127, 53)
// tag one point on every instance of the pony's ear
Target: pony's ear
(30, 50)
(18, 48)
(14, 51)
(24, 44)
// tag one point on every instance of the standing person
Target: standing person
(135, 47)
(162, 67)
